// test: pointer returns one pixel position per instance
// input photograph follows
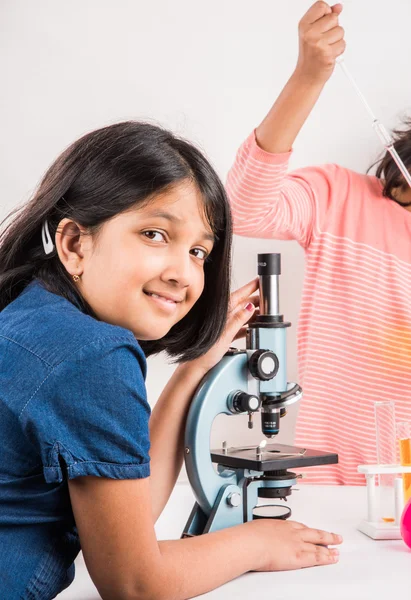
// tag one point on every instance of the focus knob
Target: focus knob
(243, 402)
(263, 364)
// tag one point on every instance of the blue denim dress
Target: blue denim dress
(72, 403)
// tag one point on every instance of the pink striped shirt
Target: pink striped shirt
(354, 334)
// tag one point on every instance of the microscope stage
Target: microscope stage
(274, 457)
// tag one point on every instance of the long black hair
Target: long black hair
(387, 169)
(100, 175)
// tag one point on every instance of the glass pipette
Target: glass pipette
(378, 127)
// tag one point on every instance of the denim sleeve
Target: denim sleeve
(90, 414)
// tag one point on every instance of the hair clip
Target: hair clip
(46, 238)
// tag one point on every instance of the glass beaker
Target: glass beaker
(404, 442)
(386, 455)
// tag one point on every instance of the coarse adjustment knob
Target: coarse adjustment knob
(243, 402)
(234, 499)
(263, 364)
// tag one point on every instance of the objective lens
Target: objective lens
(270, 422)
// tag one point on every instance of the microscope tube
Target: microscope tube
(269, 294)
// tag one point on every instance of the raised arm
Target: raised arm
(266, 201)
(321, 40)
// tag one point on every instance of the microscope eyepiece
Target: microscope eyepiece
(269, 269)
(269, 264)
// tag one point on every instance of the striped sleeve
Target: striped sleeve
(268, 202)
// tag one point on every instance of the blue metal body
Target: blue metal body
(274, 339)
(212, 488)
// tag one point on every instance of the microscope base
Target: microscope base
(222, 516)
(234, 504)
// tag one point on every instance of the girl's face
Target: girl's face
(144, 270)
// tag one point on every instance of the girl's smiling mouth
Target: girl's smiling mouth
(166, 301)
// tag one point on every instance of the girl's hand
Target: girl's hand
(287, 545)
(321, 40)
(242, 307)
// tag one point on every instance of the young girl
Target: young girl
(355, 324)
(119, 255)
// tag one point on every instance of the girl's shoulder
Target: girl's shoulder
(53, 329)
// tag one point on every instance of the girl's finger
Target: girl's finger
(334, 35)
(298, 525)
(318, 555)
(323, 538)
(238, 318)
(337, 8)
(255, 299)
(317, 11)
(241, 333)
(338, 48)
(325, 24)
(241, 295)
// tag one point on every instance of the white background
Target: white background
(209, 70)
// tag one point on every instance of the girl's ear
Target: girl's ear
(72, 243)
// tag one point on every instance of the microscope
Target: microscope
(227, 482)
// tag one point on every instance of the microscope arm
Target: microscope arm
(211, 399)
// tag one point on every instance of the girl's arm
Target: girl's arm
(265, 200)
(320, 42)
(126, 562)
(167, 425)
(167, 422)
(115, 520)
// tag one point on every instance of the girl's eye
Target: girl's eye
(200, 253)
(154, 235)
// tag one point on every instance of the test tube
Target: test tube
(386, 455)
(404, 442)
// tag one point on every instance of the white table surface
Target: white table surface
(367, 570)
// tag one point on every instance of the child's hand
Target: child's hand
(287, 545)
(321, 41)
(242, 307)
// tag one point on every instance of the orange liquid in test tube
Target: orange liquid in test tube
(405, 458)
